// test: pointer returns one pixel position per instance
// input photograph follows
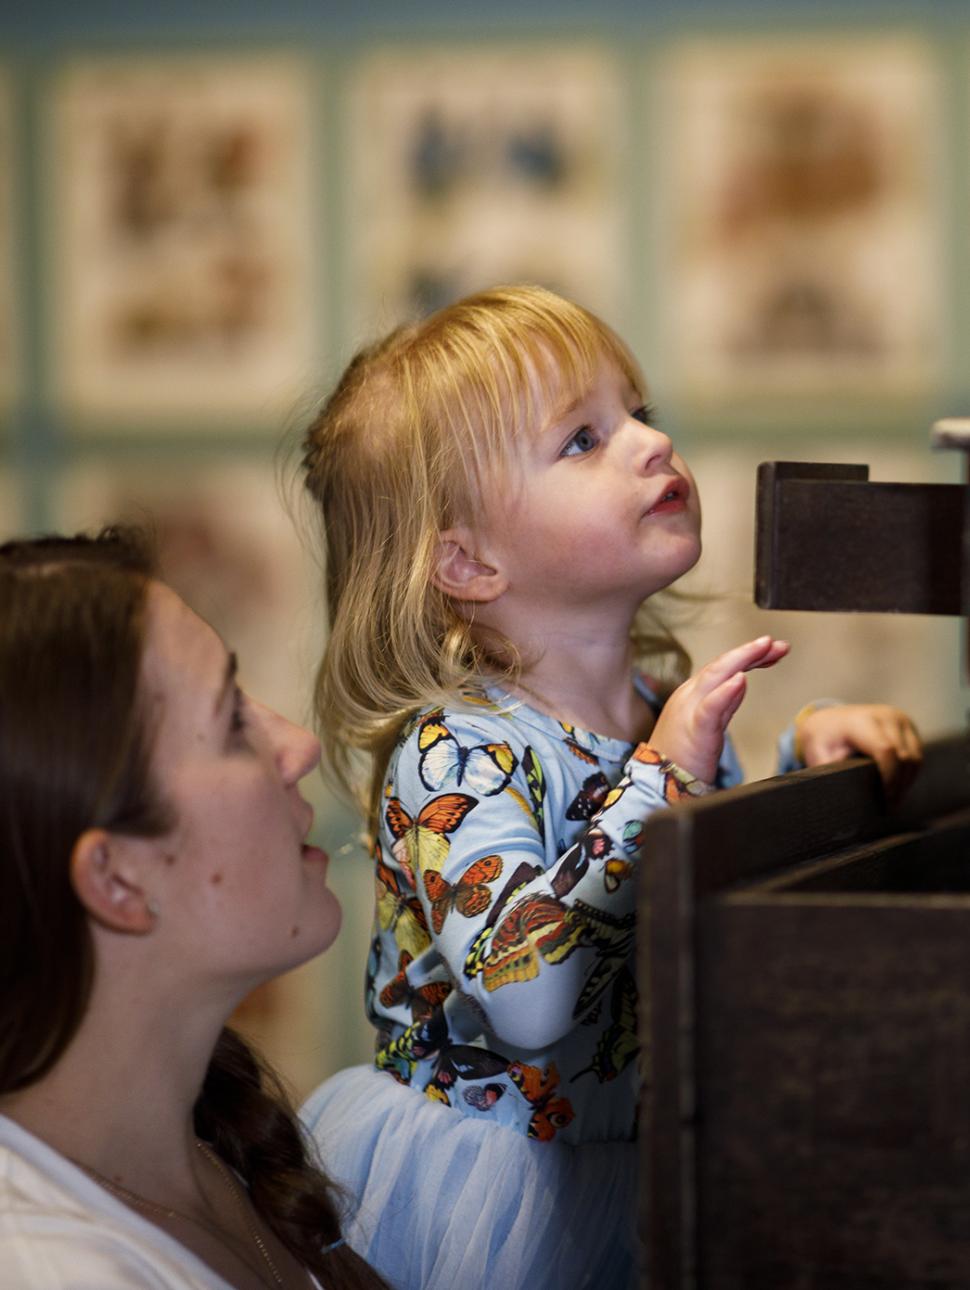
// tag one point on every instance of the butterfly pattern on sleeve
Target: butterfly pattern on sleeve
(399, 911)
(422, 841)
(444, 763)
(422, 1000)
(505, 864)
(618, 1045)
(470, 895)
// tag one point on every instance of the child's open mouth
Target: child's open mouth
(673, 498)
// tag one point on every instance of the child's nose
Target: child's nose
(653, 449)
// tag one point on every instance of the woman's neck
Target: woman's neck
(121, 1097)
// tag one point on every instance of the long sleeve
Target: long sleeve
(528, 933)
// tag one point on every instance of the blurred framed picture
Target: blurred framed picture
(12, 517)
(227, 546)
(474, 165)
(802, 217)
(183, 239)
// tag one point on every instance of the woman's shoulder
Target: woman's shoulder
(58, 1227)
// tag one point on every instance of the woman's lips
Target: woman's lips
(314, 854)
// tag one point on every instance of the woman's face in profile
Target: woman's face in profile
(241, 893)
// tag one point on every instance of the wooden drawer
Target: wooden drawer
(805, 983)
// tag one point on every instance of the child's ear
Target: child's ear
(105, 878)
(461, 570)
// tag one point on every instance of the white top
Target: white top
(59, 1230)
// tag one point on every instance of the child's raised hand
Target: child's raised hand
(690, 728)
(883, 733)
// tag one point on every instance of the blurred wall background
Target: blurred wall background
(204, 212)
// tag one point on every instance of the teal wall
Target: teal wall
(38, 444)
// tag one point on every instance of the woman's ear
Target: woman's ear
(462, 572)
(105, 878)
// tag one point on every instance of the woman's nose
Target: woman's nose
(296, 750)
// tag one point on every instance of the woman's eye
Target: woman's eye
(647, 414)
(584, 440)
(237, 722)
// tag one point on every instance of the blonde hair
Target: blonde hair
(405, 447)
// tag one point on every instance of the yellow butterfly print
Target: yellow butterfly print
(618, 1045)
(422, 843)
(400, 913)
(445, 763)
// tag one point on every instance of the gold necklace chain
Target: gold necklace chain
(164, 1211)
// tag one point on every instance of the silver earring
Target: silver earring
(152, 907)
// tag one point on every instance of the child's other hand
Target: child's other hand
(690, 728)
(883, 733)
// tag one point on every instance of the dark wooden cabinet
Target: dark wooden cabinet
(804, 962)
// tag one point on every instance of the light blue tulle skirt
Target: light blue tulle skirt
(448, 1202)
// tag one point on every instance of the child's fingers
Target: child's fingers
(761, 652)
(910, 744)
(777, 652)
(717, 707)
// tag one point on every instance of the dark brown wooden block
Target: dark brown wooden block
(828, 539)
(805, 986)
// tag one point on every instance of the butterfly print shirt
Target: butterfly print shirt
(500, 976)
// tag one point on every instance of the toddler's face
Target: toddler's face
(597, 507)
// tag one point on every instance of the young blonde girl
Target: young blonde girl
(498, 507)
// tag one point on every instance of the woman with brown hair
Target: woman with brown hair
(153, 870)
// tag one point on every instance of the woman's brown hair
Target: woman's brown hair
(75, 753)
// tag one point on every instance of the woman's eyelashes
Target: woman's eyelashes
(237, 720)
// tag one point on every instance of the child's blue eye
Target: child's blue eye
(583, 441)
(647, 414)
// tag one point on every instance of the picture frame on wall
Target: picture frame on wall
(184, 239)
(801, 238)
(12, 517)
(472, 165)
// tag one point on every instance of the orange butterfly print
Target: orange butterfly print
(678, 783)
(550, 1114)
(469, 895)
(421, 999)
(422, 843)
(575, 747)
(538, 927)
